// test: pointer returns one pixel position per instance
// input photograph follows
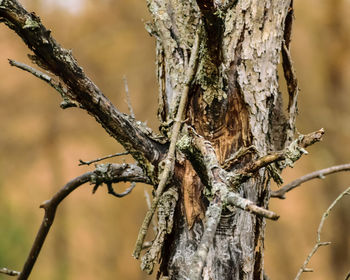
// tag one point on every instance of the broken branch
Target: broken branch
(247, 205)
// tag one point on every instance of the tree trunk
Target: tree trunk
(234, 102)
(234, 113)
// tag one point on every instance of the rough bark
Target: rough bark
(234, 102)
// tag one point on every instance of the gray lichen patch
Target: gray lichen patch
(30, 23)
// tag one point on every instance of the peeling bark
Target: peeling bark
(234, 102)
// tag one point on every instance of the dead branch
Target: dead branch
(318, 244)
(262, 162)
(247, 205)
(66, 103)
(120, 195)
(168, 163)
(50, 207)
(320, 174)
(311, 138)
(9, 272)
(134, 136)
(81, 162)
(114, 173)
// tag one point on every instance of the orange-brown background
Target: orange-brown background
(93, 235)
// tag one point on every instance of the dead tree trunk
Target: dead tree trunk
(224, 134)
(234, 103)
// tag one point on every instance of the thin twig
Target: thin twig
(9, 272)
(119, 195)
(102, 158)
(170, 158)
(320, 174)
(318, 238)
(128, 99)
(347, 276)
(46, 78)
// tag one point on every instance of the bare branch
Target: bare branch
(168, 163)
(9, 272)
(320, 174)
(114, 173)
(247, 205)
(318, 238)
(263, 162)
(67, 102)
(50, 207)
(134, 136)
(311, 138)
(102, 158)
(148, 202)
(120, 195)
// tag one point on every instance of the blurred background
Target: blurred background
(93, 235)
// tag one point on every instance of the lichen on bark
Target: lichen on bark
(232, 104)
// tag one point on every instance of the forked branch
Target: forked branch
(319, 244)
(114, 173)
